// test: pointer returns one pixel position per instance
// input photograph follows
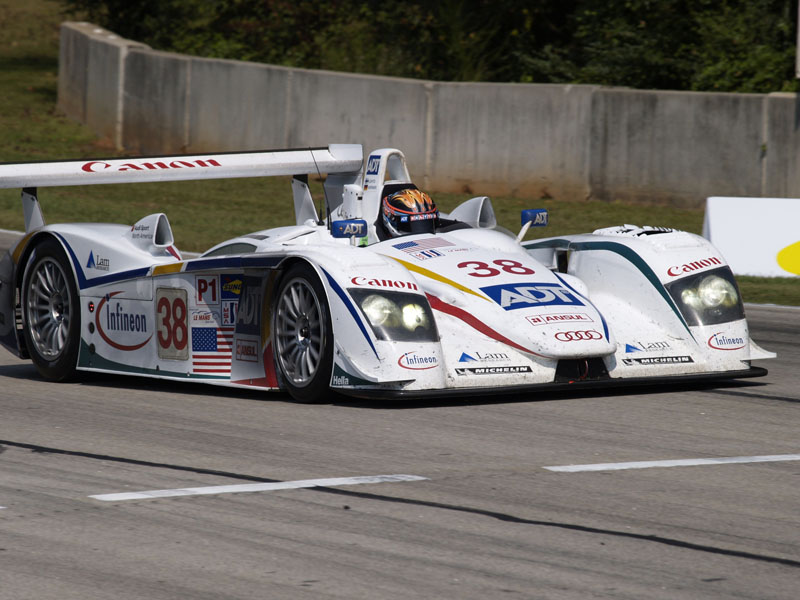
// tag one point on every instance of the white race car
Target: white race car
(463, 307)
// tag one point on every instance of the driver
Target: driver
(408, 211)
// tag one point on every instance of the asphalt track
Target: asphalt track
(488, 521)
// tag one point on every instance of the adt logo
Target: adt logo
(512, 296)
(349, 228)
(373, 164)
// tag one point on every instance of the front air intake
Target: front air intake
(580, 369)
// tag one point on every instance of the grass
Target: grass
(205, 213)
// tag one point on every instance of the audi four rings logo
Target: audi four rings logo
(575, 336)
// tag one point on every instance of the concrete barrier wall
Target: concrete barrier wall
(91, 77)
(533, 140)
(651, 145)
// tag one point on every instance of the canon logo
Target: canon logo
(576, 336)
(95, 166)
(390, 283)
(694, 266)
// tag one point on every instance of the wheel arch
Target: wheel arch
(30, 246)
(22, 254)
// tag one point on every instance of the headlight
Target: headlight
(380, 311)
(709, 298)
(715, 291)
(415, 316)
(397, 315)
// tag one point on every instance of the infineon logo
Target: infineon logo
(720, 341)
(417, 362)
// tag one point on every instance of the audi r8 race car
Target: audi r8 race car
(380, 298)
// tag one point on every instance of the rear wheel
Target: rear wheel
(50, 312)
(303, 334)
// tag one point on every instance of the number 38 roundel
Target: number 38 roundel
(172, 330)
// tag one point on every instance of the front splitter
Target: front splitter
(578, 385)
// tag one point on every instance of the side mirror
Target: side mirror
(532, 217)
(537, 217)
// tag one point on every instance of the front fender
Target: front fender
(360, 358)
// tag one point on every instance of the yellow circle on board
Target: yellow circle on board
(789, 258)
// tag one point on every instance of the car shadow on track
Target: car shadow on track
(27, 371)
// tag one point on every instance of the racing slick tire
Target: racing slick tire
(303, 335)
(51, 312)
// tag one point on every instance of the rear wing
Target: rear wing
(342, 159)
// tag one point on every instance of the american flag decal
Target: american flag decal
(211, 350)
(424, 244)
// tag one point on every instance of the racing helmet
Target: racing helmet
(409, 211)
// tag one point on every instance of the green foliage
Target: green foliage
(711, 45)
(746, 46)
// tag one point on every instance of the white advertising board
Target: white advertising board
(757, 236)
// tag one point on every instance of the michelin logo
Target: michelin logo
(491, 370)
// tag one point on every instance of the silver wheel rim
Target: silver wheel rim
(47, 308)
(299, 332)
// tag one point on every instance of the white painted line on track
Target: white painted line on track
(687, 462)
(257, 487)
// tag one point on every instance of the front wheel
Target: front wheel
(50, 312)
(303, 335)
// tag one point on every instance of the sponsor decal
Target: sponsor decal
(491, 370)
(578, 336)
(231, 286)
(349, 228)
(657, 360)
(211, 350)
(95, 166)
(513, 296)
(99, 263)
(200, 317)
(373, 164)
(426, 254)
(720, 341)
(340, 380)
(417, 362)
(559, 318)
(423, 249)
(698, 265)
(113, 320)
(141, 232)
(229, 311)
(247, 350)
(483, 356)
(207, 289)
(646, 347)
(248, 313)
(384, 283)
(422, 217)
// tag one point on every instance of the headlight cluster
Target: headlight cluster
(708, 298)
(396, 315)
